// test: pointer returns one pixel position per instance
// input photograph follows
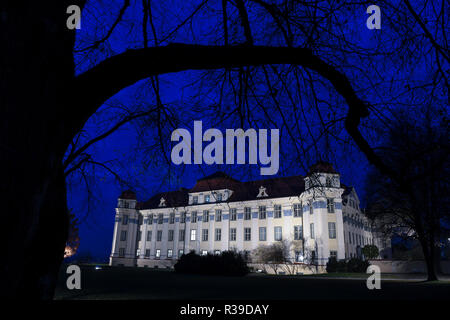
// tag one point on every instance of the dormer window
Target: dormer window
(194, 199)
(207, 198)
(219, 196)
(262, 192)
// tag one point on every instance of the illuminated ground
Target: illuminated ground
(141, 283)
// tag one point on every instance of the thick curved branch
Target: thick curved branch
(112, 75)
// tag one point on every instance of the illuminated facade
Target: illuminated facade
(315, 214)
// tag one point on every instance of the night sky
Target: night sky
(127, 150)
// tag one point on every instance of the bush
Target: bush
(370, 251)
(352, 265)
(227, 263)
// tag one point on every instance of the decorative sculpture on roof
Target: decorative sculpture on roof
(262, 192)
(162, 202)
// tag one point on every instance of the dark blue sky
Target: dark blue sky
(380, 80)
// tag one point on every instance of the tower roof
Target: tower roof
(321, 167)
(128, 194)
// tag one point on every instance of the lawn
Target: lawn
(143, 283)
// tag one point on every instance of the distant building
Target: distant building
(317, 214)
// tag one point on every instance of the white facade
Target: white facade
(313, 214)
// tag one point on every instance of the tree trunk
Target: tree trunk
(429, 256)
(36, 64)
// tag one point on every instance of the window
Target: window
(205, 235)
(332, 230)
(180, 252)
(204, 252)
(181, 235)
(298, 256)
(149, 236)
(330, 205)
(125, 219)
(218, 215)
(311, 230)
(219, 197)
(170, 235)
(216, 252)
(262, 234)
(205, 216)
(247, 234)
(350, 237)
(183, 217)
(247, 213)
(160, 218)
(138, 252)
(121, 252)
(207, 198)
(123, 235)
(311, 208)
(277, 211)
(298, 232)
(233, 234)
(169, 253)
(297, 210)
(194, 217)
(172, 218)
(139, 235)
(218, 236)
(158, 253)
(233, 214)
(159, 235)
(150, 219)
(262, 212)
(277, 233)
(140, 219)
(333, 254)
(193, 234)
(126, 204)
(328, 182)
(195, 199)
(147, 253)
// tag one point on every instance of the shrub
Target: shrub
(227, 263)
(370, 251)
(352, 265)
(357, 265)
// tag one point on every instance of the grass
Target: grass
(143, 283)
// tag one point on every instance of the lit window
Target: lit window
(207, 198)
(204, 252)
(169, 253)
(158, 253)
(219, 197)
(180, 253)
(193, 234)
(216, 252)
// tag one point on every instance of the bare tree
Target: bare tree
(300, 66)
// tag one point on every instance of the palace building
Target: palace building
(317, 215)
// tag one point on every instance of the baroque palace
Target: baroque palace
(316, 214)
